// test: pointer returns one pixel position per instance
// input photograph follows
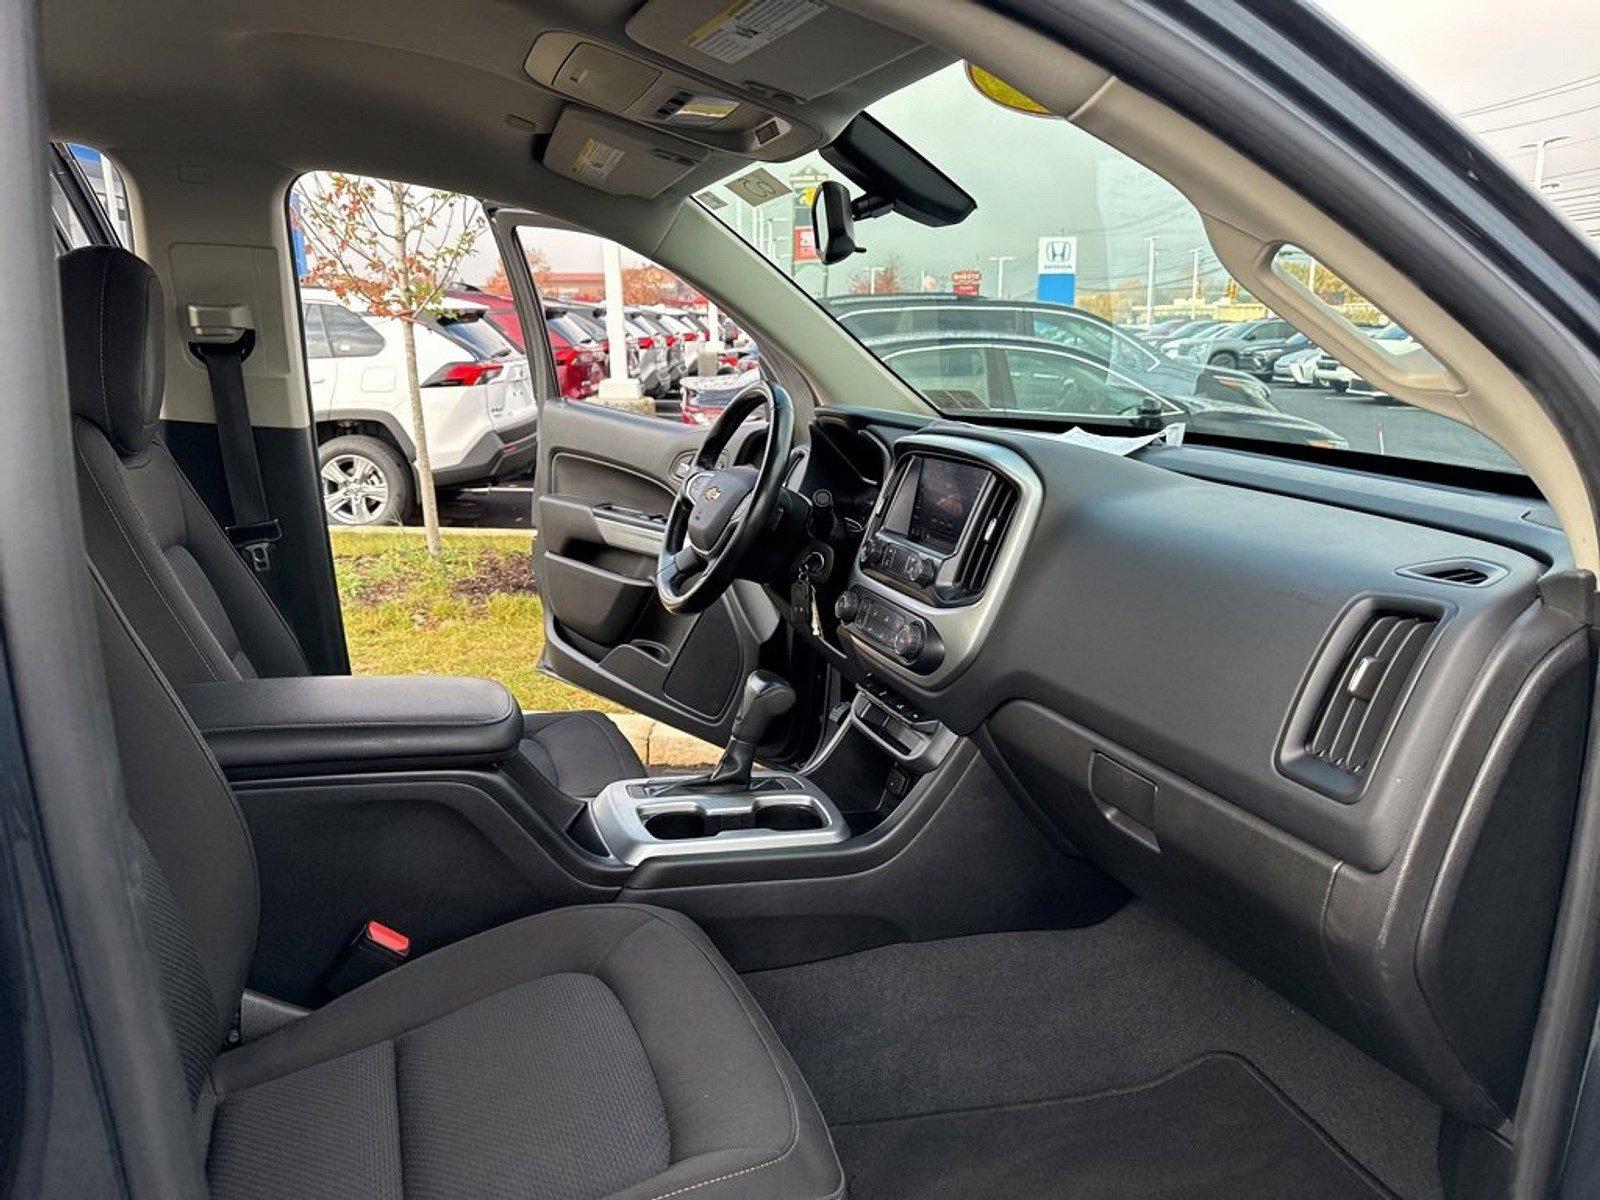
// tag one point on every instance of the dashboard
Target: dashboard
(1333, 721)
(941, 549)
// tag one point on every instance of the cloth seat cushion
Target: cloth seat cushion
(605, 1051)
(579, 752)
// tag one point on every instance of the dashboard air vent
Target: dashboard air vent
(1356, 714)
(1462, 572)
(992, 522)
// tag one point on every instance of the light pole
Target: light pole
(1194, 284)
(1000, 261)
(1539, 147)
(1150, 284)
(872, 280)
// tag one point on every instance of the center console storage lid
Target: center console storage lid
(340, 722)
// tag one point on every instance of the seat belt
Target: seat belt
(222, 336)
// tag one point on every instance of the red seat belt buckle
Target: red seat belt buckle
(374, 950)
(388, 939)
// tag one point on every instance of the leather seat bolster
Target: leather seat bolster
(319, 722)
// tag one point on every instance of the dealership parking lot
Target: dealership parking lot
(1373, 426)
(1388, 427)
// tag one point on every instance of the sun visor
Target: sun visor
(783, 50)
(617, 157)
(708, 114)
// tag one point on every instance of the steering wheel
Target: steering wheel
(721, 512)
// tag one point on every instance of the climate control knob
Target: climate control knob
(848, 606)
(921, 570)
(909, 640)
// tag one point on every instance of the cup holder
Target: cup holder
(675, 826)
(789, 818)
(679, 824)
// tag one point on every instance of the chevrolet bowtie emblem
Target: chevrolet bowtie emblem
(713, 493)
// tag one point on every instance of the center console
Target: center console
(639, 819)
(940, 550)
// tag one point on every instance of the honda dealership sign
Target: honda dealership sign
(1058, 270)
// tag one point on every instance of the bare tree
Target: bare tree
(393, 248)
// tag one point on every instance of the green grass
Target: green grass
(472, 611)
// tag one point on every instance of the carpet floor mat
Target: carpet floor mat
(1214, 1129)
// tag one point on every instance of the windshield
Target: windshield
(1083, 288)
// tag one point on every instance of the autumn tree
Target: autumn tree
(391, 249)
(887, 277)
(538, 267)
(647, 285)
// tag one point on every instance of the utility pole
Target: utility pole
(618, 389)
(1194, 285)
(1000, 261)
(1539, 147)
(1150, 284)
(872, 280)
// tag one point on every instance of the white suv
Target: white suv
(476, 393)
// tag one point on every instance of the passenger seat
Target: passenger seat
(192, 600)
(605, 1051)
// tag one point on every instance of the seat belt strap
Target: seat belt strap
(254, 531)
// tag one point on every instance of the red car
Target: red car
(580, 360)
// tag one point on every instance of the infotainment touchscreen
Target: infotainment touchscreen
(945, 496)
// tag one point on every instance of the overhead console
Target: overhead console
(786, 50)
(941, 548)
(678, 106)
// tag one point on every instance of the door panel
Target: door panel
(604, 485)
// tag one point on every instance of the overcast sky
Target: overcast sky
(1520, 69)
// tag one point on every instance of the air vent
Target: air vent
(1360, 707)
(993, 520)
(1462, 572)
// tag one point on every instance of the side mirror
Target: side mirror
(832, 223)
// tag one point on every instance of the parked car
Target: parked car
(581, 358)
(1189, 329)
(1297, 367)
(1003, 373)
(1260, 358)
(1229, 345)
(875, 318)
(476, 392)
(669, 341)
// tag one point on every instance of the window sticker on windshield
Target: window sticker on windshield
(711, 200)
(743, 28)
(596, 159)
(757, 187)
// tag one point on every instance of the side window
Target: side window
(1045, 382)
(87, 199)
(316, 335)
(670, 336)
(1071, 330)
(348, 335)
(956, 373)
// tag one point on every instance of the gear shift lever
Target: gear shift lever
(766, 698)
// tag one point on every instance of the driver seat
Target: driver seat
(194, 603)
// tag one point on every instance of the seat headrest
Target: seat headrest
(112, 306)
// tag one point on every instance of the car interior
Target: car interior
(1204, 821)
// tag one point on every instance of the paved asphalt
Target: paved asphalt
(1376, 426)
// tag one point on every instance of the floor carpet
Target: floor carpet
(1213, 1130)
(968, 1033)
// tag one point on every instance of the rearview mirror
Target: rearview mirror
(832, 223)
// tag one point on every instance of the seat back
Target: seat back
(188, 595)
(196, 867)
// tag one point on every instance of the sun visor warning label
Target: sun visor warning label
(743, 28)
(596, 160)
